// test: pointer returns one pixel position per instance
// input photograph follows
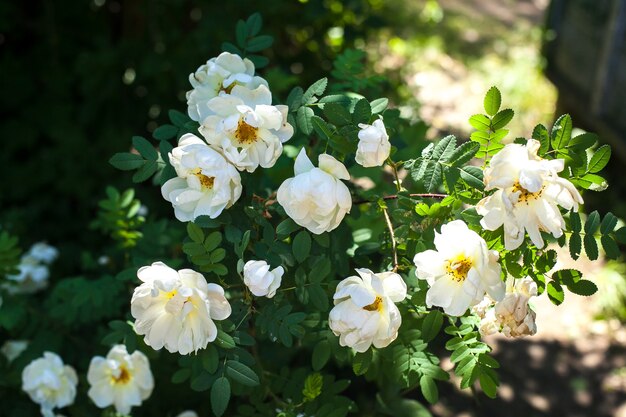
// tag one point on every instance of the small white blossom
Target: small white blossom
(316, 198)
(188, 413)
(365, 313)
(260, 280)
(206, 183)
(121, 379)
(218, 77)
(460, 271)
(43, 253)
(529, 193)
(32, 277)
(11, 349)
(512, 316)
(49, 383)
(176, 309)
(374, 146)
(246, 128)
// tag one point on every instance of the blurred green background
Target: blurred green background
(79, 78)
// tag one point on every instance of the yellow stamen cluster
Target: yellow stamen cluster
(123, 378)
(245, 133)
(206, 181)
(458, 268)
(525, 196)
(377, 305)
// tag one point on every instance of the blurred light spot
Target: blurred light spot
(432, 12)
(303, 1)
(159, 47)
(335, 34)
(397, 45)
(154, 111)
(129, 76)
(376, 4)
(151, 125)
(296, 68)
(336, 7)
(195, 14)
(99, 3)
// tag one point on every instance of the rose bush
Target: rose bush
(230, 296)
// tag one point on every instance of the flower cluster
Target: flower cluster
(528, 193)
(33, 270)
(242, 130)
(511, 316)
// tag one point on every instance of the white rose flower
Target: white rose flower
(11, 349)
(528, 194)
(460, 271)
(316, 198)
(206, 183)
(512, 316)
(365, 313)
(374, 146)
(247, 128)
(49, 382)
(121, 379)
(218, 76)
(176, 309)
(32, 277)
(260, 280)
(43, 252)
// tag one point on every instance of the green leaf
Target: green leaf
(492, 101)
(464, 153)
(165, 132)
(259, 43)
(286, 227)
(561, 132)
(321, 355)
(229, 47)
(575, 246)
(241, 33)
(540, 133)
(362, 362)
(431, 325)
(488, 384)
(126, 161)
(610, 247)
(195, 233)
(501, 119)
(574, 222)
(146, 171)
(304, 119)
(301, 246)
(620, 235)
(220, 396)
(429, 389)
(591, 247)
(583, 287)
(473, 176)
(592, 223)
(599, 159)
(379, 105)
(322, 128)
(480, 122)
(581, 142)
(555, 293)
(241, 373)
(337, 114)
(294, 100)
(181, 375)
(608, 223)
(312, 387)
(362, 112)
(254, 24)
(567, 276)
(316, 89)
(224, 340)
